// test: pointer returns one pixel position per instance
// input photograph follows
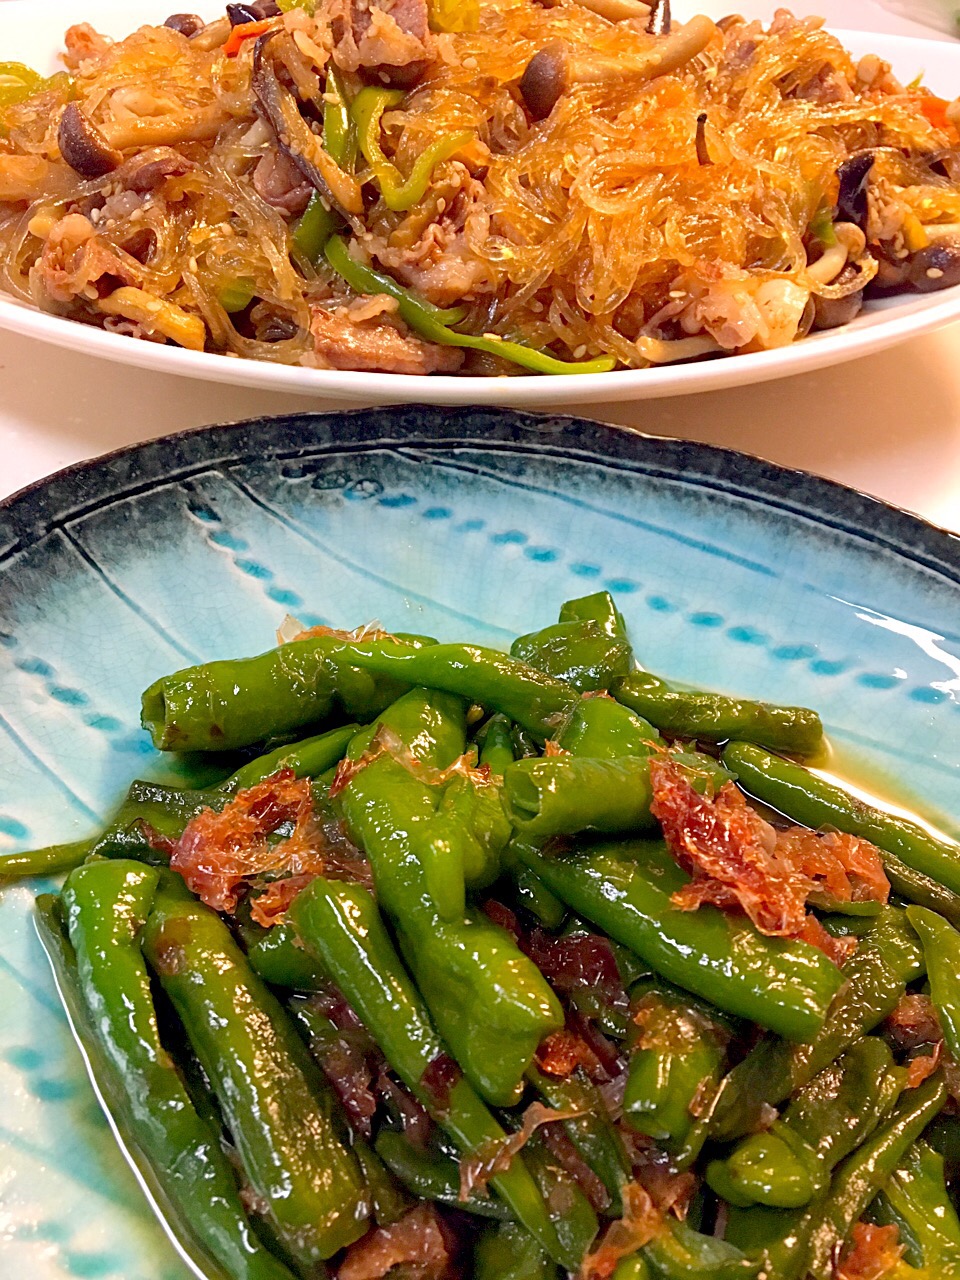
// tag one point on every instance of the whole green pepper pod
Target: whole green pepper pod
(679, 1056)
(875, 977)
(941, 950)
(712, 717)
(785, 1166)
(581, 652)
(104, 981)
(272, 1095)
(491, 1003)
(49, 861)
(220, 706)
(606, 730)
(633, 1267)
(625, 889)
(496, 745)
(340, 923)
(275, 956)
(507, 1252)
(431, 1175)
(598, 607)
(862, 1175)
(916, 1201)
(814, 802)
(680, 1253)
(591, 1132)
(564, 795)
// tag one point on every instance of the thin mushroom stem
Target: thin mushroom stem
(703, 155)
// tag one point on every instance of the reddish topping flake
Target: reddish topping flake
(577, 961)
(914, 1022)
(551, 748)
(569, 1158)
(923, 1066)
(561, 1052)
(874, 1254)
(640, 1223)
(271, 906)
(440, 1076)
(219, 851)
(730, 852)
(496, 1156)
(416, 1241)
(839, 950)
(846, 867)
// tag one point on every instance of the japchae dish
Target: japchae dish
(479, 187)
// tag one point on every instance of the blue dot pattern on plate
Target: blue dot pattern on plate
(725, 581)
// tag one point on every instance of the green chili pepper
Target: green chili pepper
(104, 983)
(490, 1002)
(591, 1132)
(633, 1267)
(814, 802)
(675, 1061)
(424, 320)
(275, 956)
(580, 652)
(625, 889)
(308, 758)
(507, 1252)
(875, 977)
(50, 861)
(917, 1202)
(531, 893)
(431, 1175)
(17, 83)
(680, 1253)
(712, 717)
(398, 194)
(313, 229)
(564, 795)
(599, 607)
(496, 745)
(941, 950)
(340, 923)
(606, 730)
(272, 1095)
(236, 295)
(789, 1163)
(220, 706)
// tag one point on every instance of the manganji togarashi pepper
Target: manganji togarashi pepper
(423, 319)
(678, 1049)
(875, 977)
(490, 1002)
(496, 745)
(715, 718)
(680, 1253)
(814, 802)
(564, 795)
(507, 1252)
(340, 923)
(308, 758)
(398, 193)
(625, 889)
(941, 950)
(917, 1202)
(789, 1163)
(432, 1175)
(104, 982)
(580, 652)
(273, 1097)
(599, 607)
(606, 730)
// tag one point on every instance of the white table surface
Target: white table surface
(888, 424)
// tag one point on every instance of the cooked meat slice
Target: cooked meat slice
(387, 36)
(375, 345)
(278, 181)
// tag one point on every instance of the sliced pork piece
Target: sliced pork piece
(390, 39)
(375, 345)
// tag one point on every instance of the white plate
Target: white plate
(32, 30)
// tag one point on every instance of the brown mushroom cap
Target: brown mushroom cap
(83, 146)
(545, 80)
(188, 24)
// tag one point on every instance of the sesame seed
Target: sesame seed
(933, 273)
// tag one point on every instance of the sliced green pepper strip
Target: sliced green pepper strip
(17, 83)
(941, 950)
(431, 1175)
(365, 280)
(814, 802)
(237, 294)
(398, 194)
(340, 923)
(625, 889)
(564, 795)
(785, 1166)
(916, 1201)
(272, 1095)
(714, 717)
(875, 977)
(105, 985)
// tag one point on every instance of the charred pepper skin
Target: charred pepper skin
(105, 982)
(272, 1095)
(875, 977)
(785, 1166)
(625, 890)
(814, 802)
(340, 923)
(712, 717)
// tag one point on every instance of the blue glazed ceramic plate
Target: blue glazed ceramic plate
(464, 523)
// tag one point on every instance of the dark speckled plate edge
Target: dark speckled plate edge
(26, 516)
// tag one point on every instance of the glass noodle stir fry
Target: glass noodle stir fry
(480, 187)
(502, 972)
